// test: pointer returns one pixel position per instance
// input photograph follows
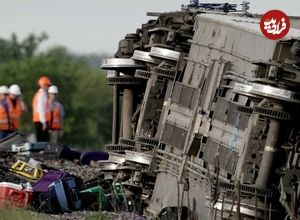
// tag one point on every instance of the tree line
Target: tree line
(83, 91)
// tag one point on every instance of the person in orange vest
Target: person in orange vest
(57, 115)
(41, 110)
(16, 106)
(4, 113)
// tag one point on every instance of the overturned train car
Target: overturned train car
(206, 113)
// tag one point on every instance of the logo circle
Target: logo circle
(275, 24)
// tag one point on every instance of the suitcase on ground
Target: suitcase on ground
(13, 138)
(51, 176)
(15, 194)
(64, 193)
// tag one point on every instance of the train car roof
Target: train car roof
(244, 23)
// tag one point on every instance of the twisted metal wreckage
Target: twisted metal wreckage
(209, 122)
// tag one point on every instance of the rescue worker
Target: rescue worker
(5, 88)
(41, 110)
(57, 114)
(4, 113)
(16, 106)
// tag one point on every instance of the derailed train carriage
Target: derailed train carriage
(206, 115)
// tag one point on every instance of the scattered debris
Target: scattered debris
(58, 179)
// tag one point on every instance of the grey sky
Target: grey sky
(96, 25)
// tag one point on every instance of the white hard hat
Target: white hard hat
(53, 89)
(3, 90)
(14, 89)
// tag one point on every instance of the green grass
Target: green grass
(23, 214)
(98, 216)
(19, 214)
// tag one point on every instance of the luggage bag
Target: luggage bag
(51, 176)
(64, 193)
(15, 194)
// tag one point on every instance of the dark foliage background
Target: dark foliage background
(83, 90)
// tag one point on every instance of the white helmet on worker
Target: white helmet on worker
(3, 90)
(53, 90)
(14, 89)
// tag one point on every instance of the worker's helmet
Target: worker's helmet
(53, 90)
(14, 89)
(44, 81)
(3, 90)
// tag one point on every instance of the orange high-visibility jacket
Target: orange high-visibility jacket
(4, 118)
(36, 117)
(15, 112)
(56, 123)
